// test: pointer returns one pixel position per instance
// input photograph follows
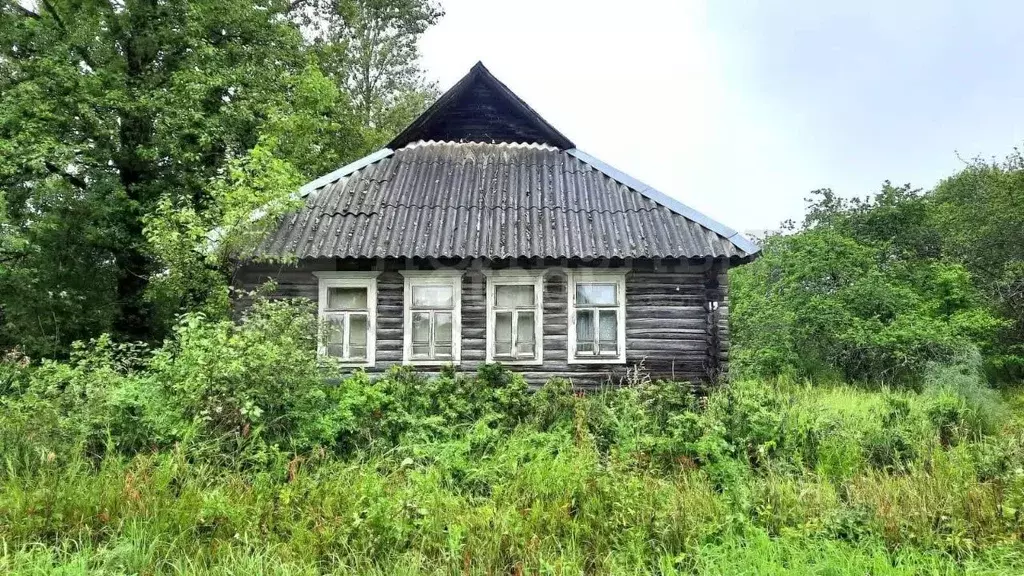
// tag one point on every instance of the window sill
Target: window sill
(597, 360)
(536, 362)
(430, 362)
(346, 363)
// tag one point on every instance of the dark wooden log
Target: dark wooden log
(672, 326)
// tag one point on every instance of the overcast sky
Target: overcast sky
(739, 109)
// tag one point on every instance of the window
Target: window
(348, 314)
(515, 316)
(433, 323)
(597, 330)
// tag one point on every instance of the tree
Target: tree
(980, 213)
(113, 111)
(374, 46)
(859, 290)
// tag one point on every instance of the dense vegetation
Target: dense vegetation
(874, 289)
(231, 450)
(130, 130)
(871, 424)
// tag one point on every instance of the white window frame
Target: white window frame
(451, 278)
(341, 279)
(616, 277)
(533, 278)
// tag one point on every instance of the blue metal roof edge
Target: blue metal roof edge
(739, 240)
(345, 171)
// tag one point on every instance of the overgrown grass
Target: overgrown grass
(168, 463)
(535, 500)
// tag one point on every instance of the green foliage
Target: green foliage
(962, 407)
(877, 288)
(231, 449)
(891, 445)
(128, 133)
(856, 291)
(247, 390)
(363, 38)
(981, 218)
(200, 249)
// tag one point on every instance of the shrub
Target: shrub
(236, 437)
(552, 404)
(892, 444)
(960, 403)
(246, 386)
(254, 384)
(857, 290)
(95, 401)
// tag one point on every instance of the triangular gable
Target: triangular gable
(479, 108)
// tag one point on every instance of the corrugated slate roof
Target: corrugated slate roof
(455, 200)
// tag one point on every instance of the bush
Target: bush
(95, 401)
(236, 437)
(504, 492)
(242, 388)
(248, 390)
(892, 444)
(860, 291)
(961, 405)
(254, 384)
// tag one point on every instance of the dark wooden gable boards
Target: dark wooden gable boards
(479, 108)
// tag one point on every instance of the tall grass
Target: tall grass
(178, 463)
(532, 502)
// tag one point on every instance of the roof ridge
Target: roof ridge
(557, 208)
(527, 145)
(344, 171)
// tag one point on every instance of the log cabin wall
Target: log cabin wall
(676, 316)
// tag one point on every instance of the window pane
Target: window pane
(432, 296)
(609, 333)
(335, 328)
(585, 331)
(503, 333)
(421, 349)
(334, 335)
(346, 298)
(524, 349)
(524, 329)
(443, 351)
(442, 328)
(513, 296)
(357, 329)
(421, 327)
(595, 294)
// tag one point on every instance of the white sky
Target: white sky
(740, 108)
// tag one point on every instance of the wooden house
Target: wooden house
(482, 234)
